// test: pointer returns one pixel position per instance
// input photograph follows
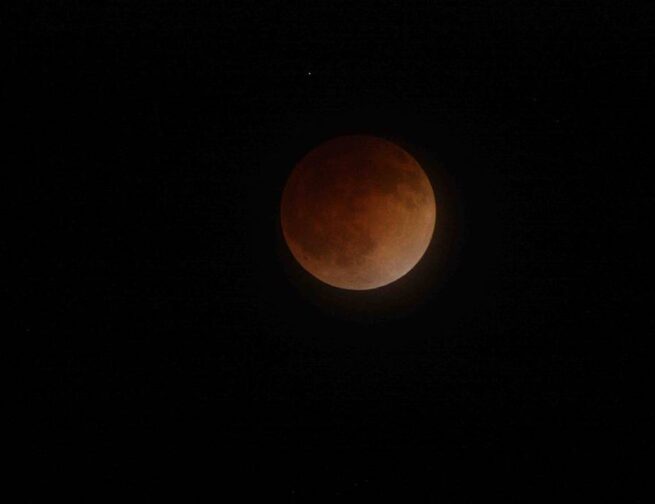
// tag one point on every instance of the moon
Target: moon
(358, 212)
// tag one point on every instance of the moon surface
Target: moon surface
(358, 212)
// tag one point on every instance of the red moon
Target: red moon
(358, 212)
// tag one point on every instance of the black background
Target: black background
(173, 344)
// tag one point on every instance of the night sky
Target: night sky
(172, 344)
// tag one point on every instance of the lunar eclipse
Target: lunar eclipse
(358, 212)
